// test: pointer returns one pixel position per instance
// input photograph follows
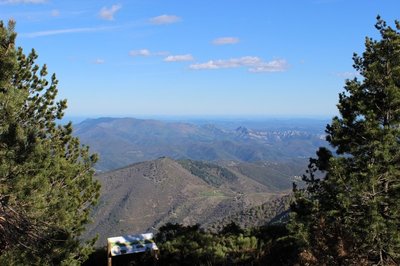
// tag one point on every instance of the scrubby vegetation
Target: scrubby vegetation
(190, 245)
(273, 211)
(213, 174)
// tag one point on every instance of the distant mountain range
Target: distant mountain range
(203, 172)
(143, 196)
(123, 141)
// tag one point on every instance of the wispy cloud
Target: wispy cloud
(142, 52)
(179, 58)
(99, 61)
(253, 63)
(347, 75)
(279, 65)
(108, 13)
(22, 1)
(165, 19)
(225, 40)
(146, 52)
(64, 31)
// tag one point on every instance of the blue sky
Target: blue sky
(208, 57)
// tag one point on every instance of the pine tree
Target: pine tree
(352, 214)
(46, 175)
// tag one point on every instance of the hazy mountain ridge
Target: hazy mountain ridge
(275, 136)
(146, 195)
(122, 141)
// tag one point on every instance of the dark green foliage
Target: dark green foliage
(213, 174)
(231, 228)
(46, 184)
(99, 258)
(231, 246)
(190, 245)
(273, 211)
(279, 247)
(352, 216)
(275, 175)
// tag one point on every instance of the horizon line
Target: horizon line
(199, 117)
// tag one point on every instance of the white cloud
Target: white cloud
(108, 13)
(142, 52)
(64, 31)
(179, 58)
(347, 75)
(226, 40)
(165, 19)
(254, 64)
(99, 61)
(230, 63)
(278, 65)
(22, 1)
(146, 52)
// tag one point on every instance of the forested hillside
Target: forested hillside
(144, 196)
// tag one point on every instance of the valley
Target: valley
(210, 173)
(144, 196)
